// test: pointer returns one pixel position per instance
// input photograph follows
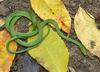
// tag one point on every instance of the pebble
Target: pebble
(1, 0)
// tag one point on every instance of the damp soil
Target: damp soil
(78, 62)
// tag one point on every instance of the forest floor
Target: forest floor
(78, 62)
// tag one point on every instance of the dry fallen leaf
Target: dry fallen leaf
(6, 59)
(53, 9)
(87, 31)
(52, 53)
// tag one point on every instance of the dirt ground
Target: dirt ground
(78, 62)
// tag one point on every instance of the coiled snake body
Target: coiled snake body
(37, 29)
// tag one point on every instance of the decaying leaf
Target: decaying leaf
(53, 9)
(5, 58)
(52, 53)
(87, 31)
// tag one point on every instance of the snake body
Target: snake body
(37, 29)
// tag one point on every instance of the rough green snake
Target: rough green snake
(37, 29)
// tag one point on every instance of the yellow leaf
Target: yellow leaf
(53, 9)
(87, 31)
(5, 58)
(52, 53)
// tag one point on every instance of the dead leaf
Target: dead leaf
(53, 9)
(52, 53)
(87, 31)
(6, 59)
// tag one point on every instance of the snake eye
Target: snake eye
(2, 22)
